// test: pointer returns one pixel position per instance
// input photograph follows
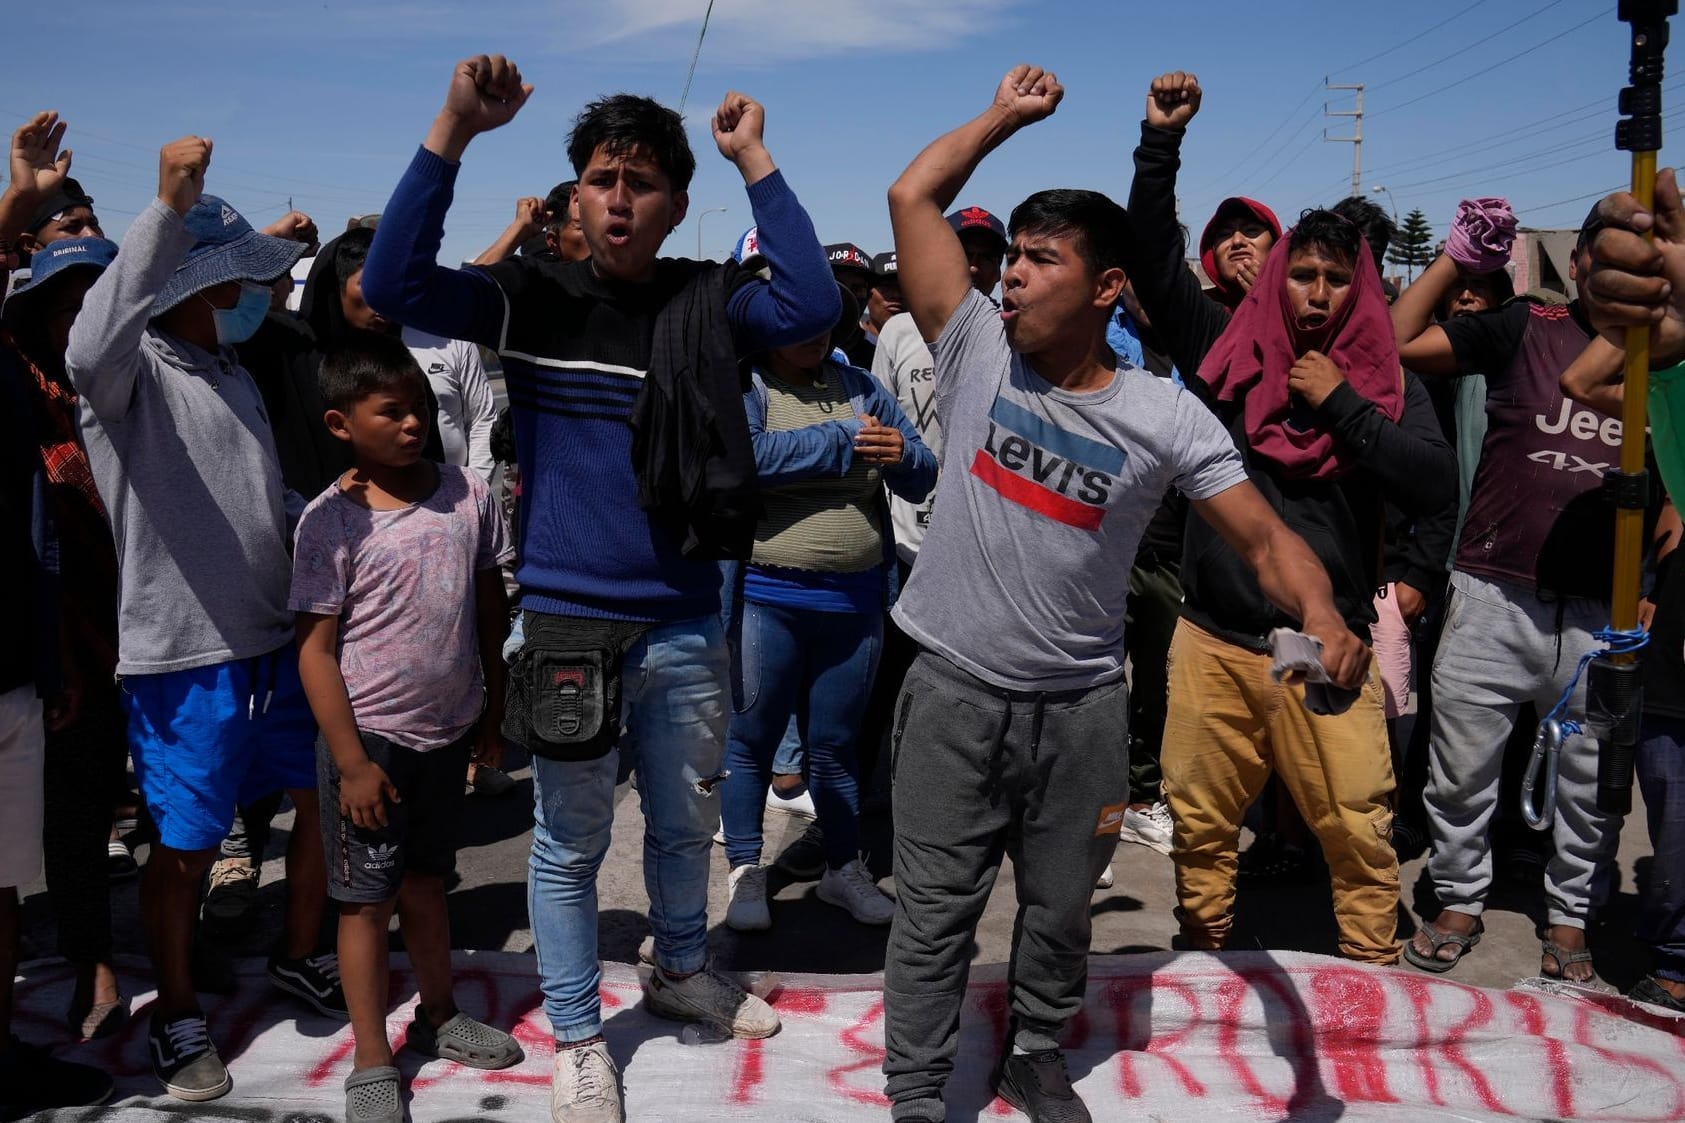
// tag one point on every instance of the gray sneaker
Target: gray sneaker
(708, 996)
(585, 1086)
(185, 1061)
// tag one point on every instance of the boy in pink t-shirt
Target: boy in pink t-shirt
(401, 615)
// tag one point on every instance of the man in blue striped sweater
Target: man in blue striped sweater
(577, 341)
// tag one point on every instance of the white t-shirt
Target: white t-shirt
(1023, 577)
(466, 409)
(905, 367)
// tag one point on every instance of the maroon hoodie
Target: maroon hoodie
(1230, 297)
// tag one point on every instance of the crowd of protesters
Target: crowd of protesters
(1066, 544)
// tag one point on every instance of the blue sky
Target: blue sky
(325, 102)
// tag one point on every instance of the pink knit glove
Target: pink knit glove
(1482, 234)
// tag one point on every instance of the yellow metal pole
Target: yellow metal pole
(1629, 523)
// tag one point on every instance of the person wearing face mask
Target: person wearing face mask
(1306, 379)
(185, 463)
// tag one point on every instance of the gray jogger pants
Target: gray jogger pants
(979, 772)
(1503, 646)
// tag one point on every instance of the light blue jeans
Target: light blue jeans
(674, 705)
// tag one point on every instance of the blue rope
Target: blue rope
(1614, 643)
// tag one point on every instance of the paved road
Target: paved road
(488, 907)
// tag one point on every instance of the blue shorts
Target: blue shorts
(209, 739)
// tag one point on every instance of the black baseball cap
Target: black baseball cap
(883, 265)
(976, 218)
(68, 195)
(847, 255)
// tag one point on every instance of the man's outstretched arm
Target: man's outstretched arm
(402, 279)
(933, 269)
(800, 302)
(1289, 574)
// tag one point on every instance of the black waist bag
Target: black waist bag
(564, 687)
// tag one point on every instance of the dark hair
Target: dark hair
(350, 250)
(365, 365)
(1328, 231)
(1371, 221)
(1099, 227)
(557, 203)
(626, 122)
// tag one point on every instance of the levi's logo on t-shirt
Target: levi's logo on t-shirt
(1035, 464)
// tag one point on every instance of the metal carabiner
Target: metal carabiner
(1542, 766)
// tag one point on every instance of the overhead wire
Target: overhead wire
(1461, 13)
(1489, 68)
(1529, 17)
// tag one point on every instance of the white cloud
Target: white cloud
(746, 31)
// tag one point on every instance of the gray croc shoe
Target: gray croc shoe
(374, 1095)
(465, 1041)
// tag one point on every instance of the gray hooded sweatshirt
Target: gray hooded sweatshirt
(183, 457)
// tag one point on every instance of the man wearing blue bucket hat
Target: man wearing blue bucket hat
(184, 459)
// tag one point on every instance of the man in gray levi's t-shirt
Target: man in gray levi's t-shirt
(1010, 731)
(1022, 578)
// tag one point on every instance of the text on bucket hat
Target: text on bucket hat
(225, 248)
(58, 258)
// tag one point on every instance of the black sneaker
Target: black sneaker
(805, 857)
(1038, 1085)
(185, 1061)
(313, 979)
(32, 1079)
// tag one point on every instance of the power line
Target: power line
(694, 55)
(1575, 199)
(1461, 13)
(1261, 145)
(1530, 17)
(1596, 137)
(1486, 70)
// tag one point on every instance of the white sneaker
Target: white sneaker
(585, 1086)
(708, 996)
(1151, 827)
(800, 805)
(746, 908)
(1107, 878)
(852, 888)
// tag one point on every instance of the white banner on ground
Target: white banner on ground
(1247, 1035)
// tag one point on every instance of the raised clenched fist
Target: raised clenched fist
(485, 93)
(1173, 100)
(530, 215)
(1028, 94)
(296, 226)
(181, 171)
(739, 124)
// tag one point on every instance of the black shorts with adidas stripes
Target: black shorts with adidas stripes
(420, 832)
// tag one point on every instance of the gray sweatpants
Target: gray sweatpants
(978, 772)
(1502, 646)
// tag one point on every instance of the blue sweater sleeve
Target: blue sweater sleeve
(801, 300)
(793, 455)
(913, 478)
(401, 279)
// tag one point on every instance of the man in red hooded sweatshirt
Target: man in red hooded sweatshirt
(1304, 374)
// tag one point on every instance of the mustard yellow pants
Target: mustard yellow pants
(1229, 726)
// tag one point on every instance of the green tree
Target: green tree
(1413, 246)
